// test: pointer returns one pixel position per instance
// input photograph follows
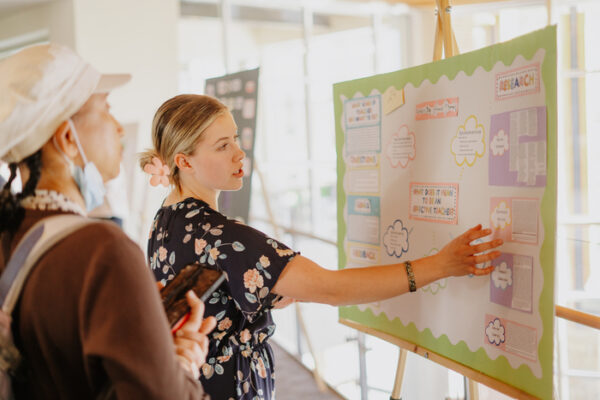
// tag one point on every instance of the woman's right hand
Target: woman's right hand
(460, 256)
(191, 340)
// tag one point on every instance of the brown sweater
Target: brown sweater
(89, 314)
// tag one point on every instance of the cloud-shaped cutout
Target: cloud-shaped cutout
(495, 332)
(402, 147)
(469, 142)
(499, 143)
(395, 239)
(501, 216)
(502, 276)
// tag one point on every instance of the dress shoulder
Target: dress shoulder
(191, 231)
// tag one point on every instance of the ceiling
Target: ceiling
(431, 3)
(12, 5)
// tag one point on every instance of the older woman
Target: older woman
(195, 137)
(89, 320)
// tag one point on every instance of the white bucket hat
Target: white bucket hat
(41, 87)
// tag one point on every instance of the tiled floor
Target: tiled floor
(293, 381)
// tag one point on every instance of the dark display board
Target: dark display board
(239, 92)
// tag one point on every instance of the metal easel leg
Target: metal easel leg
(473, 390)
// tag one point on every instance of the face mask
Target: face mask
(88, 179)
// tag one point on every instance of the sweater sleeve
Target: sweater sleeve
(123, 325)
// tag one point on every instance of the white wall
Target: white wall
(54, 20)
(138, 37)
(133, 36)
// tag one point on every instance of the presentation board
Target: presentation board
(428, 152)
(239, 92)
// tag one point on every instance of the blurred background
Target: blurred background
(302, 48)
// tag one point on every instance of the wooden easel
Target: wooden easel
(406, 346)
(586, 319)
(446, 41)
(444, 35)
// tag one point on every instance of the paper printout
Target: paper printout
(363, 254)
(511, 337)
(436, 202)
(395, 239)
(362, 160)
(469, 142)
(363, 219)
(443, 108)
(401, 148)
(525, 220)
(518, 82)
(363, 120)
(518, 148)
(511, 283)
(425, 170)
(515, 219)
(364, 181)
(392, 99)
(523, 287)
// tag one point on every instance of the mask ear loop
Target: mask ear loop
(67, 159)
(77, 141)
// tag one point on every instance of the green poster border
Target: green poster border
(506, 52)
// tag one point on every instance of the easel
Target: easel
(444, 36)
(444, 39)
(445, 43)
(406, 346)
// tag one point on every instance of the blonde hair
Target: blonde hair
(178, 125)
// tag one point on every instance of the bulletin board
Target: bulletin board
(428, 152)
(239, 92)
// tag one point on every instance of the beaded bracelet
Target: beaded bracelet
(412, 286)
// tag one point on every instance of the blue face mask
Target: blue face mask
(88, 179)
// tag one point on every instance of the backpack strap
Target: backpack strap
(39, 239)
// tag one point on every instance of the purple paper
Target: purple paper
(500, 173)
(499, 295)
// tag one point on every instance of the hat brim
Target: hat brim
(109, 82)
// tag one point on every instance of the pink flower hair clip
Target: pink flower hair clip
(159, 171)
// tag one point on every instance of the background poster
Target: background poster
(428, 152)
(239, 92)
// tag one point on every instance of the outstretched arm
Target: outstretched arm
(304, 280)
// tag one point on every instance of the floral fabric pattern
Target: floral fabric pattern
(240, 361)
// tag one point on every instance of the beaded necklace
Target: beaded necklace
(51, 200)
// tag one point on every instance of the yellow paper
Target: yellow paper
(392, 99)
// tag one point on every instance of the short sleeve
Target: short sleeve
(252, 261)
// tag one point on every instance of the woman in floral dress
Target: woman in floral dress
(196, 152)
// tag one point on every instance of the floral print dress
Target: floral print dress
(239, 364)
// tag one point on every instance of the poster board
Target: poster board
(428, 152)
(239, 92)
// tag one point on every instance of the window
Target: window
(301, 53)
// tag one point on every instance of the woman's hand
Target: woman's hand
(459, 257)
(191, 341)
